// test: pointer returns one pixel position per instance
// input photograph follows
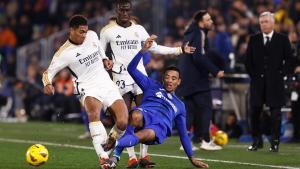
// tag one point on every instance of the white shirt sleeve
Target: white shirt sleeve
(58, 63)
(103, 44)
(164, 50)
(159, 49)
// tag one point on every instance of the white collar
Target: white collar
(269, 34)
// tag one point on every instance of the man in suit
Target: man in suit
(195, 80)
(268, 53)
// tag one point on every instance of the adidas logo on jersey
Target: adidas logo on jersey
(78, 54)
(118, 36)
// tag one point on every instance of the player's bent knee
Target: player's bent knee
(122, 123)
(136, 119)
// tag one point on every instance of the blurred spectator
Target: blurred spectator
(155, 67)
(231, 127)
(8, 37)
(24, 32)
(63, 97)
(33, 88)
(6, 96)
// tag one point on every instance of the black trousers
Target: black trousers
(199, 114)
(256, 112)
(296, 119)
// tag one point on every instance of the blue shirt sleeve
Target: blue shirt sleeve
(146, 58)
(180, 123)
(142, 80)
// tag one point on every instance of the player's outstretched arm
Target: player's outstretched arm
(142, 80)
(58, 63)
(180, 122)
(164, 50)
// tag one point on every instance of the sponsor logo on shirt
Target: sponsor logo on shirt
(161, 96)
(90, 59)
(127, 44)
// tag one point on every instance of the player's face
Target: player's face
(266, 24)
(78, 34)
(207, 21)
(123, 12)
(171, 80)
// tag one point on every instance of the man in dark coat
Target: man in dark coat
(267, 56)
(195, 88)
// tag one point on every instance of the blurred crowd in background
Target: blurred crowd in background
(25, 21)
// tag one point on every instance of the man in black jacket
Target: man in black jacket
(195, 80)
(268, 53)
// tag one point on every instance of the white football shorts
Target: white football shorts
(126, 84)
(106, 93)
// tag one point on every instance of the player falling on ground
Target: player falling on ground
(151, 122)
(82, 55)
(125, 39)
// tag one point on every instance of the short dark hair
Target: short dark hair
(174, 68)
(198, 16)
(77, 20)
(120, 2)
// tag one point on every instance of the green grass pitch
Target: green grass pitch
(61, 141)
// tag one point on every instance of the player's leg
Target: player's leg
(132, 162)
(150, 134)
(129, 140)
(120, 113)
(144, 157)
(98, 133)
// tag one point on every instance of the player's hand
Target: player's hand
(108, 64)
(297, 70)
(220, 74)
(189, 49)
(148, 43)
(49, 90)
(198, 163)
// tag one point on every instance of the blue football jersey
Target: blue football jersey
(167, 106)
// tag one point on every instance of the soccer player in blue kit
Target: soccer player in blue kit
(151, 122)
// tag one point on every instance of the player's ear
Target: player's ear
(71, 29)
(179, 81)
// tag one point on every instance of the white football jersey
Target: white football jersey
(125, 44)
(84, 61)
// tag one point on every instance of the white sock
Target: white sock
(99, 136)
(143, 150)
(116, 133)
(131, 152)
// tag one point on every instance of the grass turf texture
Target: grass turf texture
(12, 155)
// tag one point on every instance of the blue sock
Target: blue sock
(85, 120)
(128, 140)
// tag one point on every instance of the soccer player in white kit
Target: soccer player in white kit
(126, 39)
(83, 56)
